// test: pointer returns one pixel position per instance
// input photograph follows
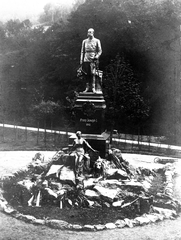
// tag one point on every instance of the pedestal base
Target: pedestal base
(89, 110)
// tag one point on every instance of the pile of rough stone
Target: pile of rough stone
(123, 185)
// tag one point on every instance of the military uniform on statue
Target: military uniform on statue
(90, 53)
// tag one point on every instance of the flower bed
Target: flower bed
(143, 198)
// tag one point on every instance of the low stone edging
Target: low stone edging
(159, 214)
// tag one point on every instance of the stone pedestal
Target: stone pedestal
(90, 110)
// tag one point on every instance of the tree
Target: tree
(45, 62)
(46, 110)
(2, 37)
(54, 12)
(122, 91)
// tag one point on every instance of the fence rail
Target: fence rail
(14, 137)
(20, 137)
(147, 147)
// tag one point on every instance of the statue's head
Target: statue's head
(78, 134)
(90, 32)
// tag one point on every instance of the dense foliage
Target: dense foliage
(123, 94)
(38, 64)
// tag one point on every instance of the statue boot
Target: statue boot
(93, 88)
(87, 88)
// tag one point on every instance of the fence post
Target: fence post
(26, 134)
(15, 131)
(37, 139)
(54, 137)
(67, 135)
(45, 136)
(149, 140)
(59, 140)
(132, 143)
(125, 141)
(138, 138)
(3, 131)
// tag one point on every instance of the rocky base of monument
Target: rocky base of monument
(125, 195)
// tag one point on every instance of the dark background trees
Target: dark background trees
(122, 91)
(39, 64)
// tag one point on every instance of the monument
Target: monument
(90, 105)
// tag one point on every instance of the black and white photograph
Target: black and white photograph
(90, 119)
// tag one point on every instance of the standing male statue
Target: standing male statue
(90, 53)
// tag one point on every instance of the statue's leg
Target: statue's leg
(80, 166)
(86, 69)
(87, 87)
(30, 201)
(87, 163)
(88, 83)
(93, 83)
(78, 161)
(76, 165)
(38, 199)
(93, 77)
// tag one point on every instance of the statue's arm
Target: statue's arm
(74, 145)
(89, 146)
(82, 52)
(99, 49)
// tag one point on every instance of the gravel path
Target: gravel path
(12, 161)
(13, 229)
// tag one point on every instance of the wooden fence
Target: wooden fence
(21, 138)
(14, 137)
